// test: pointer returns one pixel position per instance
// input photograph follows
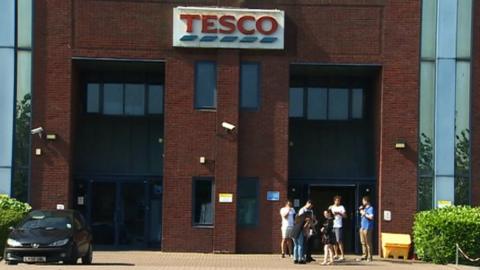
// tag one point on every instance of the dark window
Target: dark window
(203, 202)
(338, 104)
(249, 86)
(113, 99)
(134, 99)
(296, 102)
(357, 103)
(155, 99)
(247, 212)
(205, 85)
(93, 98)
(317, 103)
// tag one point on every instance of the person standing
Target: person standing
(298, 237)
(288, 219)
(339, 214)
(328, 237)
(310, 233)
(366, 229)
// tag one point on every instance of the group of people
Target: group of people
(299, 231)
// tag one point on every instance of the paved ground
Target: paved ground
(120, 260)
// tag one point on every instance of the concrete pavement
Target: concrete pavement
(119, 260)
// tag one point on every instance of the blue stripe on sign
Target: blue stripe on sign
(228, 39)
(268, 39)
(208, 38)
(188, 38)
(248, 39)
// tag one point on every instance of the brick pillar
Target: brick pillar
(226, 153)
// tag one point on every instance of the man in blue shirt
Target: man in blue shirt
(366, 228)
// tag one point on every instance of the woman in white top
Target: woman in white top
(288, 219)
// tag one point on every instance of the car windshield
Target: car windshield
(47, 223)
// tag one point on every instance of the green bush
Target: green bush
(11, 212)
(436, 232)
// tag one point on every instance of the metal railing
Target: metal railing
(460, 251)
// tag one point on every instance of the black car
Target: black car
(50, 236)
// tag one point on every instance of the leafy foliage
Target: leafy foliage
(436, 232)
(11, 212)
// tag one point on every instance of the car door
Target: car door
(81, 235)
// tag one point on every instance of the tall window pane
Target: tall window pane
(247, 212)
(338, 104)
(462, 134)
(429, 28)
(357, 103)
(7, 23)
(155, 99)
(24, 20)
(464, 28)
(5, 187)
(205, 85)
(317, 103)
(6, 106)
(250, 84)
(202, 202)
(427, 118)
(93, 98)
(134, 99)
(295, 108)
(113, 98)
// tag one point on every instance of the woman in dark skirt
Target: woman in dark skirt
(328, 237)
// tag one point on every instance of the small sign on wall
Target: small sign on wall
(273, 195)
(225, 197)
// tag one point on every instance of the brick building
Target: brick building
(366, 97)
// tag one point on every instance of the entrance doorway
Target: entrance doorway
(322, 197)
(122, 213)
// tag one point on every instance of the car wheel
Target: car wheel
(73, 257)
(87, 259)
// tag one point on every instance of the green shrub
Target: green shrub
(436, 232)
(11, 212)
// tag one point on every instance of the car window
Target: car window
(47, 223)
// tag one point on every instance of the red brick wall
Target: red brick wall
(377, 32)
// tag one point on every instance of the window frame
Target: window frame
(259, 86)
(257, 197)
(194, 184)
(195, 89)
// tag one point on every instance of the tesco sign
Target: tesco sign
(203, 27)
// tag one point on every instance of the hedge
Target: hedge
(11, 212)
(436, 232)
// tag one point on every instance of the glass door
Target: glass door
(103, 214)
(133, 214)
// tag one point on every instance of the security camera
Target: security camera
(228, 126)
(38, 131)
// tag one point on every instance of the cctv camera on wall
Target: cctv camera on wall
(38, 131)
(228, 126)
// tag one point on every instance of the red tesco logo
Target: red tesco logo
(228, 24)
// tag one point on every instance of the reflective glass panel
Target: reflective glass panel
(113, 99)
(296, 102)
(202, 202)
(249, 91)
(155, 99)
(7, 23)
(6, 105)
(24, 20)
(317, 103)
(5, 183)
(205, 85)
(464, 28)
(427, 117)
(357, 103)
(429, 28)
(134, 99)
(93, 98)
(338, 104)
